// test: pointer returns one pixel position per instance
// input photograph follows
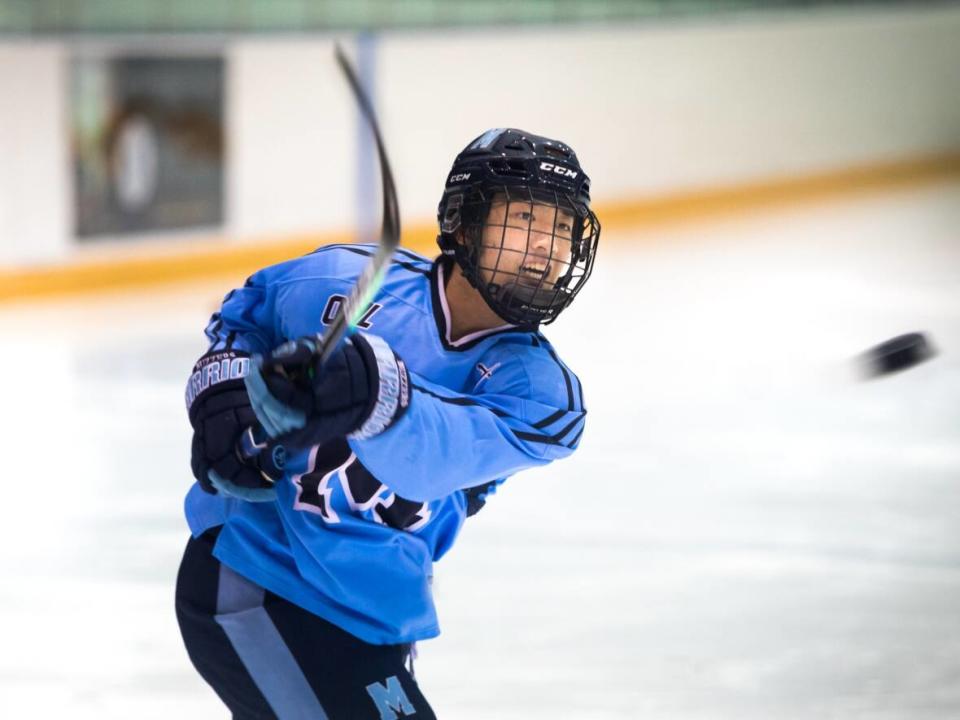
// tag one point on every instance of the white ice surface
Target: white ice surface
(749, 530)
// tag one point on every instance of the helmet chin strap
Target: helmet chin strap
(531, 302)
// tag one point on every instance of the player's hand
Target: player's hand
(359, 392)
(220, 412)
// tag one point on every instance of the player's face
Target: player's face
(527, 242)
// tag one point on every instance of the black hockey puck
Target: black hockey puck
(898, 353)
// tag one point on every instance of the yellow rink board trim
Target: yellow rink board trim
(223, 258)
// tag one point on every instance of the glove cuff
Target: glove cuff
(258, 494)
(393, 386)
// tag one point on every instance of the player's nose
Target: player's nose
(541, 238)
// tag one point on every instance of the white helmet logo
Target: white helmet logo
(558, 170)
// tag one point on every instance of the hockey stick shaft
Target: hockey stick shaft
(253, 441)
(366, 286)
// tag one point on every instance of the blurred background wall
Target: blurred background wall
(142, 132)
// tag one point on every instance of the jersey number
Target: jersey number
(333, 305)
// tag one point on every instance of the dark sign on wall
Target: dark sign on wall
(147, 144)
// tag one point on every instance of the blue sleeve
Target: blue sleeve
(525, 409)
(245, 321)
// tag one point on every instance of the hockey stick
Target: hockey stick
(350, 312)
(353, 308)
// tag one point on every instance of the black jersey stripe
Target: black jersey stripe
(401, 251)
(366, 250)
(555, 416)
(533, 437)
(336, 246)
(412, 255)
(563, 432)
(462, 401)
(325, 248)
(550, 419)
(550, 439)
(369, 253)
(576, 438)
(556, 439)
(566, 374)
(566, 378)
(521, 434)
(371, 248)
(405, 265)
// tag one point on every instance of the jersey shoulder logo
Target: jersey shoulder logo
(334, 302)
(486, 372)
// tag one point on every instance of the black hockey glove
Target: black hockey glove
(360, 391)
(220, 411)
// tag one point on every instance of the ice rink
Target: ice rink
(749, 530)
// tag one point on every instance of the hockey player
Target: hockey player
(307, 578)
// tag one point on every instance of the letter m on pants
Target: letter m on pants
(391, 700)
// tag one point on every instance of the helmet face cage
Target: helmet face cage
(527, 250)
(515, 215)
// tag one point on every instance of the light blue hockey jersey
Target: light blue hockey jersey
(356, 527)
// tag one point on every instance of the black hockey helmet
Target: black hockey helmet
(515, 215)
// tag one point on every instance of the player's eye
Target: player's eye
(565, 226)
(524, 215)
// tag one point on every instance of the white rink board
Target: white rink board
(660, 108)
(746, 532)
(651, 108)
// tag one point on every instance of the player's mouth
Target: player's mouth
(535, 272)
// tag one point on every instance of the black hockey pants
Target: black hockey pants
(268, 658)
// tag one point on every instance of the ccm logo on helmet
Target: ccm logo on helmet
(557, 170)
(459, 177)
